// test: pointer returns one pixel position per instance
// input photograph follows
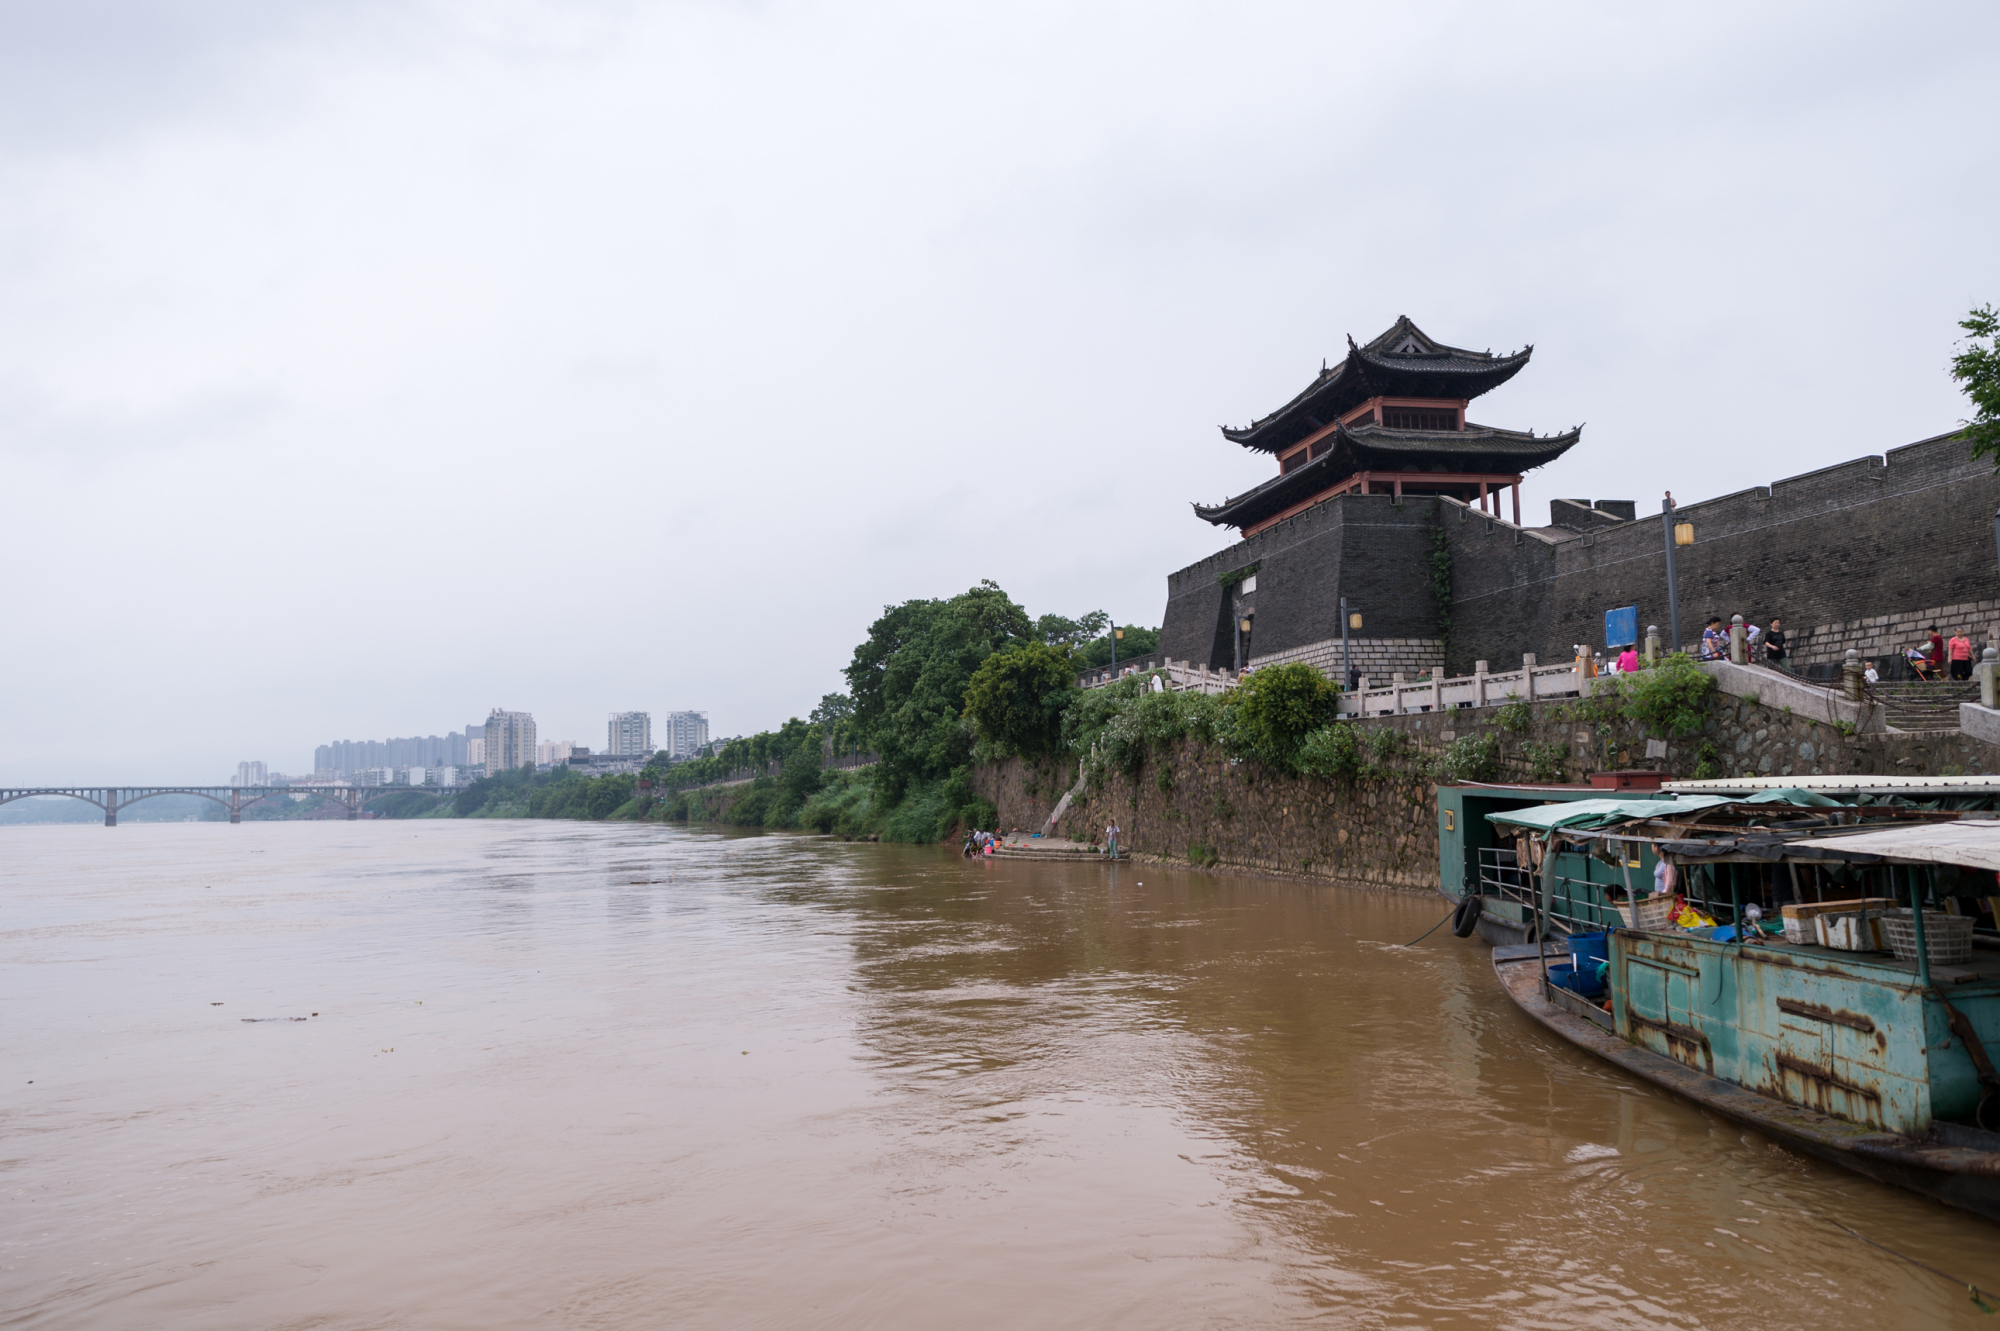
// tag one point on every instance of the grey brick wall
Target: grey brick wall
(1377, 659)
(1371, 547)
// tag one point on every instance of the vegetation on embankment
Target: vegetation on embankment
(937, 686)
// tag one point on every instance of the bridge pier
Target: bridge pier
(235, 806)
(111, 808)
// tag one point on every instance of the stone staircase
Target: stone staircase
(1913, 705)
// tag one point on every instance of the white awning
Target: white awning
(1974, 843)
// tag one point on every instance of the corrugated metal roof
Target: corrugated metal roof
(1936, 785)
(1976, 845)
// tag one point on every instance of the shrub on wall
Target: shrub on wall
(1331, 753)
(1669, 699)
(1277, 707)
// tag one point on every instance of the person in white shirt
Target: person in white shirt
(1870, 675)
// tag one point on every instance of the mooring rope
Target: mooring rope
(1978, 1295)
(1433, 929)
(1313, 893)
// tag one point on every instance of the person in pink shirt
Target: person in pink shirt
(1628, 660)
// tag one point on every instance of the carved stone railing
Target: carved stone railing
(1481, 688)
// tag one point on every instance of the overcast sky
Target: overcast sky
(364, 367)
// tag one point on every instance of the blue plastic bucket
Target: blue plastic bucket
(1582, 981)
(1586, 950)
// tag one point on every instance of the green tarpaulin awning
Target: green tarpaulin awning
(1600, 813)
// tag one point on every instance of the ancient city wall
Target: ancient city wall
(1851, 556)
(1862, 555)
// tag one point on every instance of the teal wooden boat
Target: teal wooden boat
(1876, 1061)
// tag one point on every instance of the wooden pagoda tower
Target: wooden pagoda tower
(1390, 419)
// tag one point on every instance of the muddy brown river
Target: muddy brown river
(494, 1074)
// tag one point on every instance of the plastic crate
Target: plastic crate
(1948, 937)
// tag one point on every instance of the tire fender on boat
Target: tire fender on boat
(1466, 918)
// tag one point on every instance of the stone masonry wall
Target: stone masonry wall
(1191, 803)
(1878, 637)
(1374, 658)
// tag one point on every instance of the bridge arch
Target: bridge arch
(10, 796)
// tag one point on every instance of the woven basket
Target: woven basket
(1949, 937)
(1648, 912)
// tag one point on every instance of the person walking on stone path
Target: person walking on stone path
(1959, 649)
(1936, 653)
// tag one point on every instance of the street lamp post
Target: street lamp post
(1349, 619)
(1682, 533)
(1242, 629)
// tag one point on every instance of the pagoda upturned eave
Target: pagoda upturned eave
(1435, 461)
(1403, 362)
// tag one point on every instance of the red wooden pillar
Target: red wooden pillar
(1517, 503)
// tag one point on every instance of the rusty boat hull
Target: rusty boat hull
(1955, 1165)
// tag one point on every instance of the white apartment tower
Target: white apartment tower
(686, 734)
(510, 741)
(630, 735)
(251, 774)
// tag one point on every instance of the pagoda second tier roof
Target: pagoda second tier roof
(1479, 450)
(1402, 362)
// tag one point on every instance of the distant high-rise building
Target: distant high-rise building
(553, 752)
(686, 734)
(629, 735)
(475, 751)
(510, 741)
(349, 755)
(250, 774)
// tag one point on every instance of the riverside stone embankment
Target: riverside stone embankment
(1188, 802)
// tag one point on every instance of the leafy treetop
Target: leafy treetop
(1977, 369)
(908, 680)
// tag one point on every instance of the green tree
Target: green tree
(1138, 641)
(1017, 698)
(1278, 706)
(908, 680)
(1060, 632)
(1977, 369)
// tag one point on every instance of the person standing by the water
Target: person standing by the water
(1111, 839)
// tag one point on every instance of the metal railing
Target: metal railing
(1574, 905)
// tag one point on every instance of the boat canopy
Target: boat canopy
(1973, 843)
(1598, 813)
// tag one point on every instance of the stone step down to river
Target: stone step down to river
(1021, 846)
(1916, 705)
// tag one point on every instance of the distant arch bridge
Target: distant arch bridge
(233, 798)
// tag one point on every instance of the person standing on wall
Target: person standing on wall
(1774, 644)
(1960, 651)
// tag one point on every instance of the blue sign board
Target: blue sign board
(1621, 627)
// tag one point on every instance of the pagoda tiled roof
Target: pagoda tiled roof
(1402, 362)
(1475, 450)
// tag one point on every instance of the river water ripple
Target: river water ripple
(616, 1076)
